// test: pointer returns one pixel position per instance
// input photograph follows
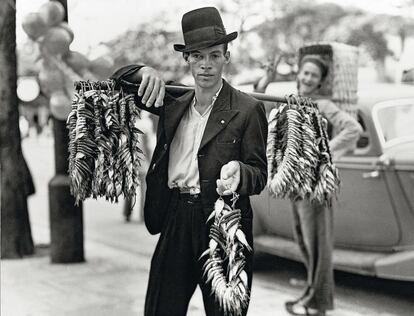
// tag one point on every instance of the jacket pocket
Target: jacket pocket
(228, 140)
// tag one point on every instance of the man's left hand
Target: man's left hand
(229, 178)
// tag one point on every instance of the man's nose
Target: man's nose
(206, 64)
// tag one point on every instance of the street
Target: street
(113, 280)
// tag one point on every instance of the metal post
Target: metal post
(66, 219)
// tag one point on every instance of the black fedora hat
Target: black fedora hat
(203, 28)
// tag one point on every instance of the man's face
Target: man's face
(207, 65)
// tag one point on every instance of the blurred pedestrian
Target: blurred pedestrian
(313, 221)
(37, 125)
(210, 142)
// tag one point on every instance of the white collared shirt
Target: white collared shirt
(183, 164)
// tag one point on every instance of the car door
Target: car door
(365, 217)
(272, 216)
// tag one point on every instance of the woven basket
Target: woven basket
(341, 84)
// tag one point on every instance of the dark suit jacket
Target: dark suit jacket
(236, 130)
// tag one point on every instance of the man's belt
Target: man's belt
(189, 195)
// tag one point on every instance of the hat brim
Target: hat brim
(185, 49)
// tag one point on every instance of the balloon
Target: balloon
(57, 41)
(50, 79)
(60, 105)
(34, 26)
(76, 61)
(65, 25)
(27, 88)
(52, 13)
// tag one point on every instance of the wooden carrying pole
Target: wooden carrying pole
(133, 88)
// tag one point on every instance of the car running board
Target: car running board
(360, 262)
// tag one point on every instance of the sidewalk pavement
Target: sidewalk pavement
(113, 280)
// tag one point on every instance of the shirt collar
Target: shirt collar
(214, 97)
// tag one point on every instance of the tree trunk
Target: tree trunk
(381, 71)
(16, 184)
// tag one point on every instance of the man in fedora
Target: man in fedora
(210, 142)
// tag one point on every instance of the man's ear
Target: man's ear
(227, 57)
(185, 56)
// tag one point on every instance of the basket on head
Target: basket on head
(341, 83)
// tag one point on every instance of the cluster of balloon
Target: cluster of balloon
(59, 66)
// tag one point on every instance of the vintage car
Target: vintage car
(374, 212)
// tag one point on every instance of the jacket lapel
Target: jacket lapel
(220, 116)
(173, 114)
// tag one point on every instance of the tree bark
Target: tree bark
(380, 68)
(16, 183)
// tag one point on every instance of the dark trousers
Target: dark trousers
(313, 226)
(176, 268)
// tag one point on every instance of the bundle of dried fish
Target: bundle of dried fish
(299, 161)
(104, 152)
(225, 265)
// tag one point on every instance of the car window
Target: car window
(395, 121)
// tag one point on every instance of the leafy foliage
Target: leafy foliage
(266, 29)
(152, 45)
(360, 30)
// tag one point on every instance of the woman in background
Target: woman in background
(313, 222)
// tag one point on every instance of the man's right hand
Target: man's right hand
(151, 88)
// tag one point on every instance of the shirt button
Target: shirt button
(165, 146)
(222, 122)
